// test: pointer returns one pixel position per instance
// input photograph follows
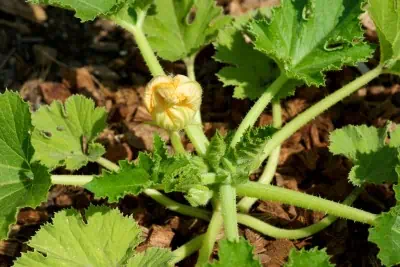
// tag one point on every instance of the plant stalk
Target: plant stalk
(77, 180)
(286, 196)
(186, 250)
(258, 108)
(275, 232)
(196, 135)
(229, 212)
(318, 108)
(268, 174)
(177, 142)
(143, 44)
(214, 227)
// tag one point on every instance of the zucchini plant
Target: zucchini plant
(293, 44)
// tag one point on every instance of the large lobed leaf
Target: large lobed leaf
(308, 37)
(22, 183)
(238, 254)
(65, 134)
(386, 16)
(386, 234)
(308, 258)
(374, 161)
(251, 72)
(69, 241)
(175, 34)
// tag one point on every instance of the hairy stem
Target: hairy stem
(276, 232)
(162, 199)
(144, 46)
(177, 142)
(229, 212)
(257, 109)
(286, 196)
(189, 62)
(268, 174)
(77, 180)
(214, 227)
(186, 250)
(318, 108)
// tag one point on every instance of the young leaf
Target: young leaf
(235, 254)
(175, 34)
(307, 38)
(308, 258)
(215, 151)
(22, 183)
(65, 134)
(86, 9)
(154, 257)
(374, 162)
(251, 72)
(130, 179)
(386, 234)
(386, 16)
(246, 154)
(106, 239)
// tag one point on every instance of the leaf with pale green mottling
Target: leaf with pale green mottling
(65, 134)
(308, 38)
(22, 183)
(152, 257)
(107, 239)
(174, 33)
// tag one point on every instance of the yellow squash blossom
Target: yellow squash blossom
(172, 101)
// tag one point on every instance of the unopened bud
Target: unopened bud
(172, 101)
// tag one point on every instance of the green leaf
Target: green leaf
(199, 195)
(154, 257)
(107, 239)
(386, 16)
(173, 32)
(86, 9)
(215, 151)
(308, 37)
(22, 183)
(374, 162)
(130, 179)
(245, 156)
(251, 72)
(238, 254)
(308, 258)
(396, 189)
(386, 234)
(65, 134)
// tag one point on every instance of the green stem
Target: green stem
(258, 108)
(186, 250)
(229, 212)
(177, 142)
(107, 164)
(196, 135)
(275, 232)
(189, 62)
(286, 196)
(176, 206)
(318, 108)
(162, 199)
(268, 174)
(144, 46)
(214, 227)
(77, 180)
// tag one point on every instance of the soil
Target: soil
(46, 54)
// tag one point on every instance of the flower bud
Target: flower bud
(172, 101)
